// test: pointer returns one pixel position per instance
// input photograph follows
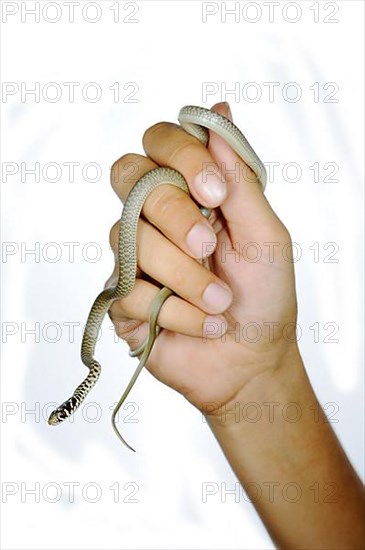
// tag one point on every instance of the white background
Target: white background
(168, 53)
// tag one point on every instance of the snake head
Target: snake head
(57, 416)
(63, 411)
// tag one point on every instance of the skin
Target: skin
(219, 373)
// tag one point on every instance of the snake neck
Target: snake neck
(70, 406)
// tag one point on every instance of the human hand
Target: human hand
(217, 340)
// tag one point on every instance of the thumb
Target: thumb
(246, 209)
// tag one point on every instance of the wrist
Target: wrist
(280, 390)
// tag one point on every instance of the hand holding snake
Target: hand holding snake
(157, 277)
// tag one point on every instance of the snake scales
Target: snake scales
(196, 121)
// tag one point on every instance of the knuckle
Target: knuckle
(152, 130)
(126, 328)
(284, 235)
(182, 276)
(186, 148)
(113, 235)
(125, 168)
(165, 205)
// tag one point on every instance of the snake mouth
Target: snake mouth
(53, 419)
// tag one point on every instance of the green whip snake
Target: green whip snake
(196, 121)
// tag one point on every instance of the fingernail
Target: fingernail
(211, 186)
(217, 298)
(214, 326)
(201, 240)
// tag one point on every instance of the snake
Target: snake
(196, 121)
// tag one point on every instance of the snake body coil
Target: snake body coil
(195, 121)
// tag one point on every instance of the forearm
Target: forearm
(292, 464)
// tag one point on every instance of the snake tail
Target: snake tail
(146, 349)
